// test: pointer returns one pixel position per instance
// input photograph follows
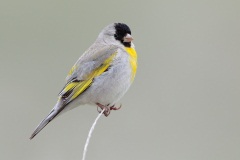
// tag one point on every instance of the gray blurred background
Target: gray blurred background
(183, 105)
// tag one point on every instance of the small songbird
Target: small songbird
(101, 76)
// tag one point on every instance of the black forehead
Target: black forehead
(122, 29)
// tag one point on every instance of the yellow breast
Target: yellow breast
(133, 60)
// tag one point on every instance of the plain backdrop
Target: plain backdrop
(183, 105)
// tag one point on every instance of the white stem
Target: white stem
(90, 134)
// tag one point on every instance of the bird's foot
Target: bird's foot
(115, 108)
(105, 108)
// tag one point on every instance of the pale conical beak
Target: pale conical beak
(127, 38)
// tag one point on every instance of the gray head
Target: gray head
(119, 32)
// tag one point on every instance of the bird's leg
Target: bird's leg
(107, 110)
(115, 108)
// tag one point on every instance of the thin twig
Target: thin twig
(90, 134)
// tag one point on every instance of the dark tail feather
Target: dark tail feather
(55, 111)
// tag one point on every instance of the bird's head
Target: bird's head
(119, 32)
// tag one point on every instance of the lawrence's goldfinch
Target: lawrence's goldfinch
(101, 76)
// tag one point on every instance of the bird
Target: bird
(101, 76)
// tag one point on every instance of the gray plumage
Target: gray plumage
(107, 88)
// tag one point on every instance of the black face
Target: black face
(121, 31)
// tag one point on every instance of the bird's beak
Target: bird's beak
(127, 38)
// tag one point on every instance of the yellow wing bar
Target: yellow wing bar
(72, 70)
(73, 89)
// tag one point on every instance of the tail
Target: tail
(58, 108)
